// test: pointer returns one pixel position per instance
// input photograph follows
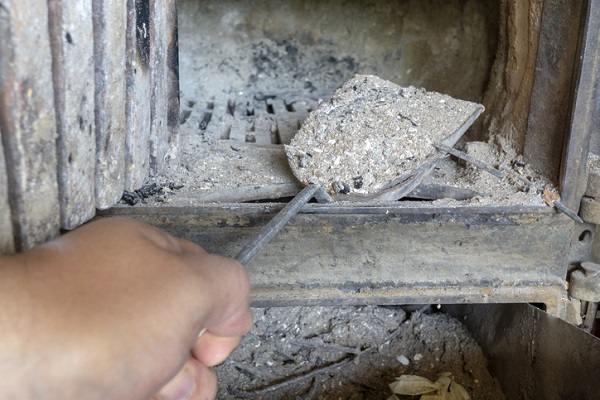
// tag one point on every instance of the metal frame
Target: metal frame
(533, 355)
(388, 254)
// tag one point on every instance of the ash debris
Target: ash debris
(156, 192)
(351, 353)
(372, 131)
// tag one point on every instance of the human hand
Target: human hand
(114, 310)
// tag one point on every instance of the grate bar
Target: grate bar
(260, 119)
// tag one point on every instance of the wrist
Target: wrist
(16, 325)
(40, 356)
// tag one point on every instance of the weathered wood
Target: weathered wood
(137, 156)
(7, 244)
(28, 121)
(71, 33)
(172, 35)
(159, 86)
(109, 23)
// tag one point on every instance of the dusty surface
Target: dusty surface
(222, 171)
(372, 131)
(487, 188)
(350, 353)
(239, 48)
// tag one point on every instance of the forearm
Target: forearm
(16, 326)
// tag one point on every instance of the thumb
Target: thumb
(193, 382)
(211, 349)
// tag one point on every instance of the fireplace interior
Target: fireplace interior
(243, 53)
(184, 106)
(251, 72)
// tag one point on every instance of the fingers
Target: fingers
(211, 349)
(194, 381)
(197, 379)
(113, 278)
(224, 288)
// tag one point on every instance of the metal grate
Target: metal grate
(263, 119)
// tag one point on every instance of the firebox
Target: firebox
(250, 72)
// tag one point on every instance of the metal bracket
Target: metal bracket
(584, 285)
(585, 282)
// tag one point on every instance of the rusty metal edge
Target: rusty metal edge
(552, 295)
(574, 169)
(549, 290)
(337, 208)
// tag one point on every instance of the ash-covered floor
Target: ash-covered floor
(351, 353)
(232, 171)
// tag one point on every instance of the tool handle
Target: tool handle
(274, 226)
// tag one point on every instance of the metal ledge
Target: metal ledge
(331, 254)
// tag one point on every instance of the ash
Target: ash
(372, 131)
(226, 170)
(350, 353)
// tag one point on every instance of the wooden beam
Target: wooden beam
(28, 123)
(109, 21)
(71, 40)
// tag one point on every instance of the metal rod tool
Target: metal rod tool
(280, 220)
(552, 201)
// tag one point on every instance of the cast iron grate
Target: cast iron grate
(264, 119)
